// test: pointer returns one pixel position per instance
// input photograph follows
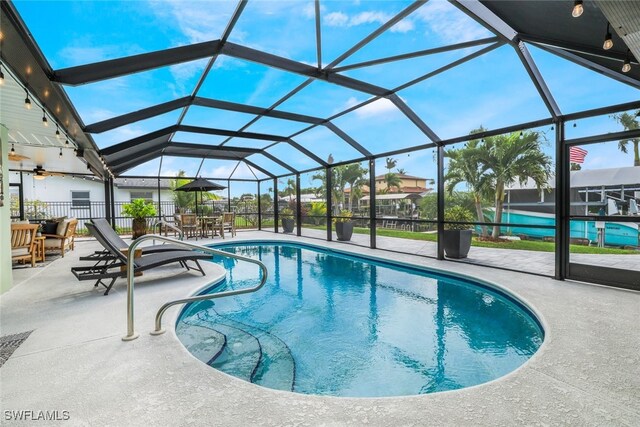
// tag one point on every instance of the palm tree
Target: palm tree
(391, 163)
(402, 171)
(392, 180)
(354, 175)
(629, 122)
(511, 157)
(465, 166)
(181, 199)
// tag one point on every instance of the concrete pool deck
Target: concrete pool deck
(586, 373)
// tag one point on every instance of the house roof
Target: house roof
(592, 178)
(393, 196)
(143, 183)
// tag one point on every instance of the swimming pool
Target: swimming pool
(335, 324)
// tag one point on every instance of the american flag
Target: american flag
(577, 155)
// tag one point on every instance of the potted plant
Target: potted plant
(288, 222)
(457, 237)
(139, 210)
(344, 225)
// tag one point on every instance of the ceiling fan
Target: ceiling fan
(40, 173)
(15, 157)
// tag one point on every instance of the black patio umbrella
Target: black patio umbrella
(199, 185)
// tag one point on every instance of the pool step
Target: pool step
(276, 368)
(201, 341)
(241, 354)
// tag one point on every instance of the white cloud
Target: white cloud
(368, 17)
(199, 21)
(336, 19)
(380, 107)
(403, 26)
(449, 23)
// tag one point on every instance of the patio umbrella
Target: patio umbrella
(199, 185)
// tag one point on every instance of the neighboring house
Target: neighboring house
(408, 185)
(89, 189)
(81, 197)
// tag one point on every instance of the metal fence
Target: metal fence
(36, 210)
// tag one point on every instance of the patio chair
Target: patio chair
(64, 238)
(111, 269)
(168, 225)
(105, 229)
(229, 223)
(189, 225)
(23, 242)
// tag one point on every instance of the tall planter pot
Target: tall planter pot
(344, 230)
(139, 227)
(457, 243)
(287, 225)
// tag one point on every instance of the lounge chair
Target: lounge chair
(106, 271)
(105, 228)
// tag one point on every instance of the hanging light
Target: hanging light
(577, 9)
(57, 133)
(60, 155)
(27, 101)
(45, 122)
(626, 65)
(66, 142)
(13, 150)
(608, 41)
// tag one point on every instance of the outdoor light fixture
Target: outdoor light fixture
(60, 155)
(626, 65)
(57, 133)
(27, 101)
(45, 122)
(608, 41)
(66, 142)
(577, 9)
(13, 150)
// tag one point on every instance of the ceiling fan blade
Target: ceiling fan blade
(17, 157)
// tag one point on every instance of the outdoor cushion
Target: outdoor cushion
(19, 251)
(62, 227)
(52, 242)
(50, 228)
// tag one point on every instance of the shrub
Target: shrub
(458, 214)
(139, 209)
(345, 216)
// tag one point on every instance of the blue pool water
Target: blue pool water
(334, 324)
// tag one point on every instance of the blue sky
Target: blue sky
(492, 90)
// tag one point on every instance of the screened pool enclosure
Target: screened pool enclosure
(405, 118)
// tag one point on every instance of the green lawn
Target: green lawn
(529, 245)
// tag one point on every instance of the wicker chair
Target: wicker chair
(23, 242)
(64, 238)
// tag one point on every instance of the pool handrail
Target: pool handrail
(131, 334)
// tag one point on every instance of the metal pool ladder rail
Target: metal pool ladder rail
(131, 334)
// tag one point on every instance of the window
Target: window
(80, 199)
(146, 195)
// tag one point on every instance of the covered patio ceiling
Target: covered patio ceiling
(202, 126)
